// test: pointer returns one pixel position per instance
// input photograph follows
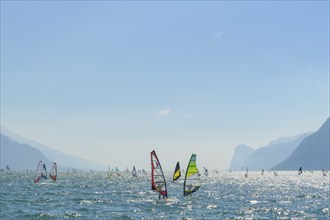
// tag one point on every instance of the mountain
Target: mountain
(20, 156)
(62, 159)
(312, 153)
(273, 153)
(241, 153)
(265, 157)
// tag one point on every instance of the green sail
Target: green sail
(192, 180)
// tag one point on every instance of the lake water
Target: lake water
(225, 195)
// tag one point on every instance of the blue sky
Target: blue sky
(110, 81)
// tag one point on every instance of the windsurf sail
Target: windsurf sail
(274, 172)
(41, 172)
(192, 181)
(53, 172)
(109, 173)
(134, 173)
(126, 170)
(247, 172)
(324, 172)
(158, 182)
(177, 172)
(117, 171)
(8, 170)
(206, 171)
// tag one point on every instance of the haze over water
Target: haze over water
(98, 79)
(222, 196)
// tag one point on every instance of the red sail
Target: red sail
(158, 182)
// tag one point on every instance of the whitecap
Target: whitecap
(211, 206)
(254, 201)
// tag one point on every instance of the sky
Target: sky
(110, 81)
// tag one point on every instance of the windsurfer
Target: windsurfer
(53, 177)
(164, 196)
(37, 180)
(324, 172)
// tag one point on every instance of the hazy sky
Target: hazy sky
(110, 81)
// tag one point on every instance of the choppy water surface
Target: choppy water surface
(222, 196)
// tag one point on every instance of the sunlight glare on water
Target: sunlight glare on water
(224, 195)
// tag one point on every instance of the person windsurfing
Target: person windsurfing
(300, 171)
(160, 196)
(324, 172)
(53, 172)
(158, 182)
(246, 173)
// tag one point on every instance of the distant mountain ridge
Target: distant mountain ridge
(20, 156)
(265, 157)
(273, 153)
(312, 153)
(62, 159)
(309, 150)
(242, 152)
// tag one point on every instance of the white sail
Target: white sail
(41, 172)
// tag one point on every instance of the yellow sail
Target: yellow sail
(177, 172)
(192, 180)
